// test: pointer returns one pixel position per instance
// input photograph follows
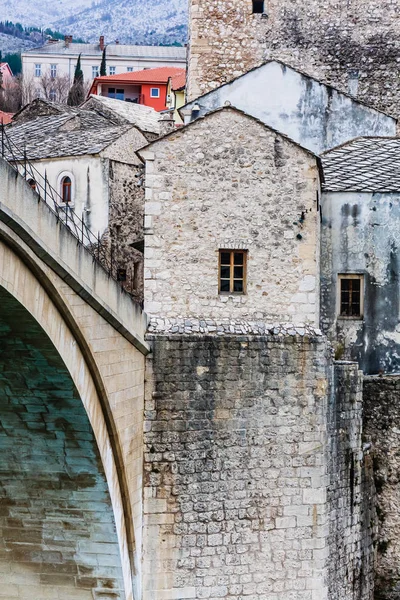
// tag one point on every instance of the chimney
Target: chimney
(167, 122)
(68, 40)
(101, 43)
(117, 42)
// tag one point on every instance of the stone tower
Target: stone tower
(352, 44)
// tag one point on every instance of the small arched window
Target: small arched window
(32, 184)
(66, 189)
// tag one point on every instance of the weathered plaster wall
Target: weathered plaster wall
(360, 234)
(57, 528)
(90, 186)
(244, 449)
(310, 113)
(227, 181)
(381, 428)
(353, 45)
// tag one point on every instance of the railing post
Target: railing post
(25, 171)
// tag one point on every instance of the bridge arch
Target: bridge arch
(32, 291)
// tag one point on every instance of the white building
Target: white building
(59, 58)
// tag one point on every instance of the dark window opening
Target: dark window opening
(32, 184)
(232, 271)
(258, 6)
(66, 195)
(116, 93)
(350, 297)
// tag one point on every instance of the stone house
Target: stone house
(87, 156)
(250, 198)
(315, 115)
(359, 252)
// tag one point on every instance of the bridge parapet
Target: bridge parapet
(50, 239)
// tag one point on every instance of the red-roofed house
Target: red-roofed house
(5, 117)
(148, 86)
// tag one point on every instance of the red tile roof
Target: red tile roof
(160, 75)
(178, 81)
(5, 117)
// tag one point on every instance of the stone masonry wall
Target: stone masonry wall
(229, 182)
(126, 214)
(351, 572)
(351, 44)
(237, 470)
(381, 429)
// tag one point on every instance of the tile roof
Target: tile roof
(367, 164)
(123, 50)
(178, 81)
(5, 117)
(143, 117)
(66, 134)
(159, 75)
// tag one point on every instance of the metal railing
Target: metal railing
(65, 214)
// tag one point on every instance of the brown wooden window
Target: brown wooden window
(258, 6)
(232, 271)
(66, 185)
(351, 296)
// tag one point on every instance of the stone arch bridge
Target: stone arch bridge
(72, 356)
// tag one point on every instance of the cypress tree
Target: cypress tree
(103, 66)
(77, 94)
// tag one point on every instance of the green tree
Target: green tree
(77, 94)
(103, 66)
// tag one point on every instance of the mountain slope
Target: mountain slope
(130, 21)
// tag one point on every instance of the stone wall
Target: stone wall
(381, 429)
(240, 473)
(126, 215)
(351, 573)
(353, 45)
(229, 182)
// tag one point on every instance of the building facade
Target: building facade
(60, 58)
(353, 46)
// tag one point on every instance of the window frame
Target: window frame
(350, 276)
(95, 72)
(155, 89)
(38, 69)
(53, 70)
(232, 279)
(258, 4)
(60, 181)
(112, 70)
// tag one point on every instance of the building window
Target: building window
(66, 192)
(129, 69)
(258, 6)
(116, 93)
(155, 92)
(232, 271)
(351, 296)
(38, 70)
(112, 70)
(53, 71)
(95, 72)
(52, 95)
(32, 184)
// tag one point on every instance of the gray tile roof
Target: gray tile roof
(367, 164)
(143, 117)
(118, 50)
(61, 135)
